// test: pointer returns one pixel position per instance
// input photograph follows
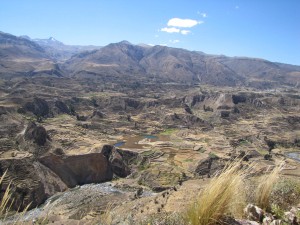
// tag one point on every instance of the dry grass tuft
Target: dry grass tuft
(265, 187)
(222, 196)
(6, 203)
(6, 199)
(107, 218)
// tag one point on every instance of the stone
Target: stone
(276, 222)
(291, 218)
(254, 213)
(267, 220)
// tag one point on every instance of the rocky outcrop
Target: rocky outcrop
(258, 216)
(97, 115)
(34, 139)
(119, 160)
(34, 181)
(31, 182)
(36, 133)
(209, 166)
(38, 107)
(185, 119)
(79, 169)
(90, 168)
(61, 107)
(187, 109)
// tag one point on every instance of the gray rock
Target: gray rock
(254, 213)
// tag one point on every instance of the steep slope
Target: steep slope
(178, 65)
(117, 59)
(124, 61)
(20, 56)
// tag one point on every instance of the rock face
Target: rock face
(90, 168)
(32, 183)
(79, 169)
(119, 160)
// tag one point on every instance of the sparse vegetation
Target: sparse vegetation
(286, 193)
(168, 131)
(5, 202)
(222, 196)
(264, 189)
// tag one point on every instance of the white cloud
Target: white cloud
(170, 29)
(174, 41)
(176, 22)
(156, 36)
(237, 7)
(185, 32)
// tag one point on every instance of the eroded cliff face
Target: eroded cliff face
(33, 181)
(79, 169)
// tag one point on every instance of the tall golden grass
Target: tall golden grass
(5, 202)
(223, 195)
(265, 187)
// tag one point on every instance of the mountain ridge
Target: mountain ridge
(123, 59)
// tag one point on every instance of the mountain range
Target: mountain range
(23, 56)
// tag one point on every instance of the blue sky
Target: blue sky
(268, 29)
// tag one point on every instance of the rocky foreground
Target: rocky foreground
(158, 150)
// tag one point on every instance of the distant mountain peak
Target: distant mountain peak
(125, 42)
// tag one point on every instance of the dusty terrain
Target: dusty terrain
(157, 141)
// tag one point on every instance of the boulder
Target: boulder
(291, 218)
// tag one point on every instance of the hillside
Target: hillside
(179, 65)
(19, 56)
(123, 60)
